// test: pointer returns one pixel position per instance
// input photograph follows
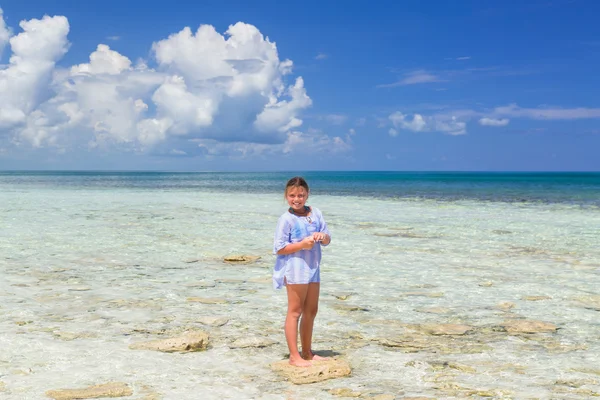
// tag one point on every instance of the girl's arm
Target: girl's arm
(306, 244)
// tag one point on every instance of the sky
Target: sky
(430, 85)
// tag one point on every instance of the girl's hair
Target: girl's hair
(296, 181)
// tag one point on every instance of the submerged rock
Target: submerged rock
(188, 342)
(528, 326)
(344, 392)
(317, 372)
(207, 300)
(112, 389)
(251, 342)
(213, 321)
(445, 329)
(241, 259)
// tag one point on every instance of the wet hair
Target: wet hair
(295, 182)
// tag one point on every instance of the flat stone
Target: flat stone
(200, 284)
(317, 372)
(112, 389)
(425, 294)
(528, 326)
(241, 259)
(213, 321)
(344, 392)
(342, 296)
(591, 302)
(188, 342)
(536, 298)
(505, 306)
(207, 300)
(445, 329)
(251, 341)
(347, 307)
(434, 310)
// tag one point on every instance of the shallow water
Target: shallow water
(86, 272)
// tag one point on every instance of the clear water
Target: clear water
(92, 262)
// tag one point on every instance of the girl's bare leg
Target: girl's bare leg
(311, 306)
(296, 299)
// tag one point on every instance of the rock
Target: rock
(241, 259)
(434, 310)
(383, 397)
(505, 306)
(112, 389)
(251, 342)
(191, 260)
(445, 329)
(486, 284)
(342, 296)
(200, 284)
(591, 302)
(528, 326)
(536, 298)
(207, 300)
(213, 321)
(2, 387)
(188, 342)
(425, 294)
(344, 392)
(317, 372)
(80, 288)
(347, 307)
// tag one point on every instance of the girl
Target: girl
(298, 238)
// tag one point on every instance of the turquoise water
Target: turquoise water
(573, 188)
(93, 262)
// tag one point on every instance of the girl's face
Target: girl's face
(296, 198)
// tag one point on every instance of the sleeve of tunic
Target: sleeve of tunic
(322, 225)
(282, 234)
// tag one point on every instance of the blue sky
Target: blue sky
(270, 85)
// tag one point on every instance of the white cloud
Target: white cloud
(336, 119)
(419, 123)
(113, 38)
(454, 122)
(222, 89)
(352, 131)
(413, 78)
(513, 110)
(4, 32)
(493, 122)
(321, 56)
(463, 58)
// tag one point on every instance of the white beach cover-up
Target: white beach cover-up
(302, 266)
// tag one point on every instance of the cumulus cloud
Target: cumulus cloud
(420, 123)
(4, 32)
(229, 89)
(454, 122)
(493, 122)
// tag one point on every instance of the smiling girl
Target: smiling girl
(300, 233)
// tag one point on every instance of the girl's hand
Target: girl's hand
(308, 243)
(319, 236)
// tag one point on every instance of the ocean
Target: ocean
(92, 262)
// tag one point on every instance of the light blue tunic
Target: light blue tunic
(302, 266)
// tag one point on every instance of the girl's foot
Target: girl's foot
(313, 356)
(300, 362)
